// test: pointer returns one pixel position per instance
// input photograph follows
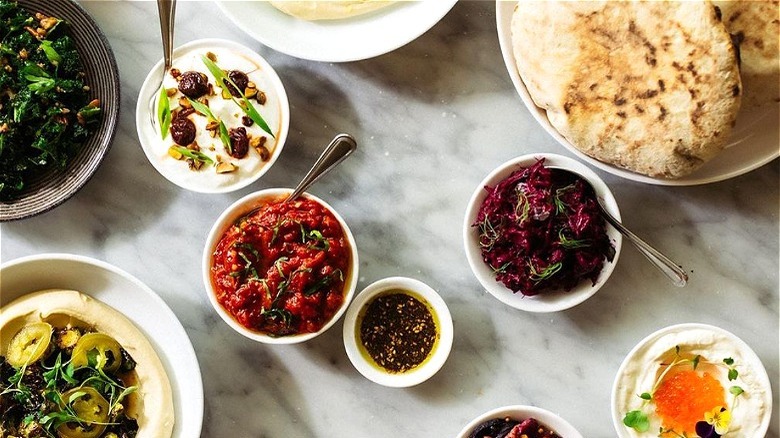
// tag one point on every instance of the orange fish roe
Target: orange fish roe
(682, 399)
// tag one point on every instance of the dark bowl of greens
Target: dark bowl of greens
(59, 97)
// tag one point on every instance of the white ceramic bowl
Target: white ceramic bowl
(548, 301)
(276, 111)
(519, 413)
(241, 208)
(362, 361)
(752, 375)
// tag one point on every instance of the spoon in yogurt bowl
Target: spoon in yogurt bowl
(339, 148)
(166, 9)
(669, 268)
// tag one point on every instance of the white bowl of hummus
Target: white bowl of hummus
(205, 136)
(692, 380)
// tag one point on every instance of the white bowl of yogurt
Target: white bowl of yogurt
(691, 380)
(229, 149)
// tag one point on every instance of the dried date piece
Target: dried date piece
(182, 131)
(193, 84)
(240, 79)
(239, 142)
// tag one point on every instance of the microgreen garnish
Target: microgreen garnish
(223, 80)
(315, 236)
(277, 314)
(547, 272)
(488, 233)
(324, 281)
(560, 206)
(278, 266)
(223, 132)
(163, 112)
(249, 270)
(571, 243)
(637, 420)
(522, 207)
(194, 155)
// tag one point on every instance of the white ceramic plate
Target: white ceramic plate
(754, 141)
(520, 412)
(135, 300)
(749, 367)
(349, 39)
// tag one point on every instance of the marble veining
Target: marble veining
(432, 119)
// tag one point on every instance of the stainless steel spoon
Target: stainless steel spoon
(339, 148)
(671, 269)
(166, 9)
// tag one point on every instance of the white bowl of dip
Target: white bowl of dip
(751, 413)
(358, 353)
(275, 111)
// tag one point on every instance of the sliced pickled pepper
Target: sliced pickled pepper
(98, 350)
(29, 344)
(90, 407)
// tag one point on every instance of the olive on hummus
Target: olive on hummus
(74, 367)
(691, 380)
(328, 10)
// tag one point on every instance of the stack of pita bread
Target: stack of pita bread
(650, 86)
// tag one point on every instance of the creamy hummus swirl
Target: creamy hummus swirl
(152, 404)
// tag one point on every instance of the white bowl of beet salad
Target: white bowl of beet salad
(534, 235)
(280, 272)
(519, 421)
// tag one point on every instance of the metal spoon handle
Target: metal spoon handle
(660, 261)
(338, 149)
(167, 11)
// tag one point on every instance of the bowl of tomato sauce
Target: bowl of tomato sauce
(280, 272)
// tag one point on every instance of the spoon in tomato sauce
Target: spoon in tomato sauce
(339, 148)
(671, 269)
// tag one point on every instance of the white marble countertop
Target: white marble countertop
(432, 119)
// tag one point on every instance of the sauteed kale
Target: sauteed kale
(46, 113)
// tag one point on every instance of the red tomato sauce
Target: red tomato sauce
(281, 269)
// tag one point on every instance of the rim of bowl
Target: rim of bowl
(422, 372)
(522, 412)
(550, 301)
(147, 136)
(243, 207)
(750, 356)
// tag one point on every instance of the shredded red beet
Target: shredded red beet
(541, 229)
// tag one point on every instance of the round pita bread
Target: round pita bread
(756, 24)
(652, 87)
(328, 10)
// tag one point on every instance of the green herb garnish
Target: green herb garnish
(637, 420)
(324, 281)
(572, 243)
(50, 53)
(546, 273)
(223, 132)
(245, 104)
(163, 112)
(194, 155)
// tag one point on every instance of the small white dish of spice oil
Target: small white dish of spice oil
(398, 332)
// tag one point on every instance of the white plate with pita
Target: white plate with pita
(755, 140)
(341, 40)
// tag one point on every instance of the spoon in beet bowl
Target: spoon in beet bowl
(671, 269)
